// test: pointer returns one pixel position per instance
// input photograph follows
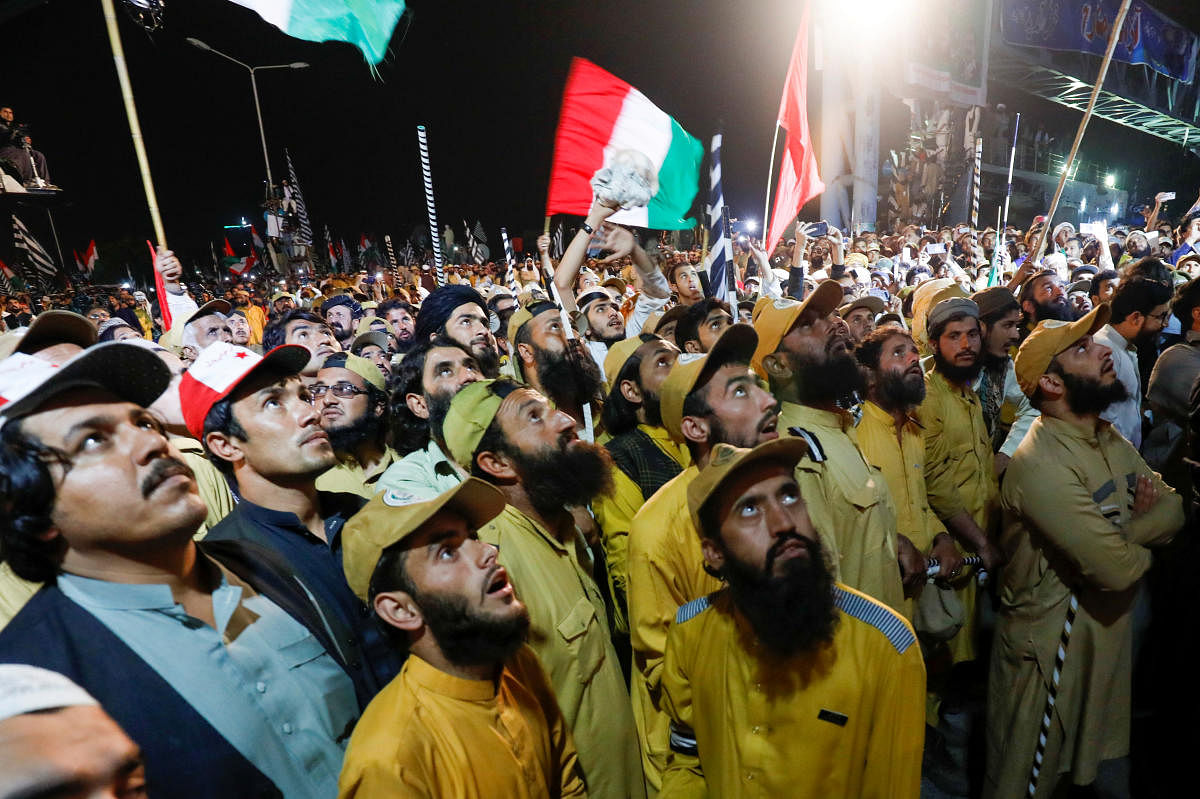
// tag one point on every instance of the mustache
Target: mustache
(782, 542)
(162, 470)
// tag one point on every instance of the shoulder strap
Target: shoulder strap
(814, 446)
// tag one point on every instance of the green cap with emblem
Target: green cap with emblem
(471, 412)
(391, 516)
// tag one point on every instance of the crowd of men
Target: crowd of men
(877, 524)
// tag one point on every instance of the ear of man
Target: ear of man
(398, 609)
(496, 464)
(225, 447)
(416, 403)
(631, 392)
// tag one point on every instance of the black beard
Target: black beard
(608, 340)
(790, 614)
(1059, 311)
(1087, 395)
(651, 409)
(468, 637)
(345, 438)
(994, 363)
(488, 360)
(956, 375)
(566, 380)
(438, 406)
(899, 391)
(557, 478)
(821, 383)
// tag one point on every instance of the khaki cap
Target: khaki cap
(773, 319)
(367, 324)
(46, 329)
(652, 321)
(869, 301)
(365, 369)
(525, 314)
(737, 343)
(1050, 338)
(617, 355)
(993, 299)
(391, 516)
(376, 337)
(727, 459)
(471, 413)
(207, 309)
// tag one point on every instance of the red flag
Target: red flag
(160, 290)
(228, 249)
(90, 257)
(79, 267)
(798, 178)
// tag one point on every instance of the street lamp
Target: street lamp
(199, 45)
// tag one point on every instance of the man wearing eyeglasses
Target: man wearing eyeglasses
(1139, 311)
(351, 397)
(261, 427)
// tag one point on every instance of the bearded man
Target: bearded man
(1081, 511)
(353, 402)
(461, 314)
(826, 685)
(510, 436)
(558, 367)
(480, 715)
(1042, 297)
(805, 352)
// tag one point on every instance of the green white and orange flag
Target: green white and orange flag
(366, 24)
(602, 116)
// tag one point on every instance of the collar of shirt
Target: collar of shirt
(335, 508)
(807, 416)
(883, 417)
(439, 682)
(106, 595)
(1064, 429)
(515, 516)
(440, 461)
(1114, 334)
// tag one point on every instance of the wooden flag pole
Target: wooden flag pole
(1113, 38)
(135, 128)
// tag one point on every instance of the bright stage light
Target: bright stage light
(1116, 209)
(751, 225)
(1082, 204)
(1110, 181)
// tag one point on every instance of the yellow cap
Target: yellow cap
(366, 325)
(471, 412)
(365, 369)
(525, 314)
(774, 318)
(727, 459)
(652, 321)
(617, 355)
(1050, 338)
(391, 516)
(737, 343)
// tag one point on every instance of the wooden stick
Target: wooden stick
(770, 174)
(135, 128)
(1113, 38)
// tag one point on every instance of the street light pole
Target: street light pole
(199, 45)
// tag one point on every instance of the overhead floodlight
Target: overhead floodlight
(1110, 181)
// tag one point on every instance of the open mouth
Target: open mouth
(769, 427)
(499, 585)
(319, 436)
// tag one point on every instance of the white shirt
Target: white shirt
(1126, 415)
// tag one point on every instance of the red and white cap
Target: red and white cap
(131, 373)
(219, 370)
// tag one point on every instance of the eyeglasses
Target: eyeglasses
(340, 390)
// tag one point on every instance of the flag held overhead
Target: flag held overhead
(603, 117)
(366, 25)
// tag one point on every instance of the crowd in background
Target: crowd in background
(874, 514)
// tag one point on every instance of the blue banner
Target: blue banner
(1148, 37)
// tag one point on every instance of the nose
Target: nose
(148, 445)
(766, 401)
(779, 520)
(306, 414)
(329, 398)
(486, 554)
(563, 421)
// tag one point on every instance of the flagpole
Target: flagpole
(1012, 160)
(427, 175)
(770, 175)
(135, 128)
(1113, 38)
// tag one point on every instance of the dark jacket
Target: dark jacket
(185, 756)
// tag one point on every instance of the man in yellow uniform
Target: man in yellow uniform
(706, 400)
(351, 396)
(785, 682)
(805, 353)
(959, 467)
(509, 435)
(1081, 508)
(894, 443)
(643, 452)
(471, 715)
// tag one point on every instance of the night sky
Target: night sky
(485, 78)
